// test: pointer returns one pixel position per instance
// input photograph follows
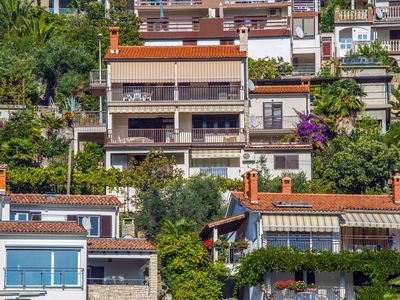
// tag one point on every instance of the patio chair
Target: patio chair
(137, 96)
(223, 96)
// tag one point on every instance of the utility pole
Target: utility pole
(100, 79)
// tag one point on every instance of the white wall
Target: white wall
(128, 268)
(290, 103)
(50, 242)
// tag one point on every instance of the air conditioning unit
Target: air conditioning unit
(249, 157)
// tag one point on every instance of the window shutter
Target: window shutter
(279, 162)
(277, 115)
(105, 226)
(268, 115)
(72, 218)
(292, 162)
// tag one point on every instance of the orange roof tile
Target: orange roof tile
(92, 200)
(283, 146)
(120, 244)
(267, 89)
(41, 227)
(161, 52)
(322, 202)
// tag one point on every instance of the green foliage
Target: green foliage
(197, 199)
(228, 184)
(392, 137)
(186, 266)
(269, 68)
(273, 185)
(327, 21)
(375, 49)
(381, 264)
(90, 158)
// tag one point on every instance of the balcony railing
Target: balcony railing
(257, 23)
(389, 13)
(285, 122)
(305, 5)
(32, 277)
(89, 118)
(231, 255)
(97, 77)
(359, 242)
(215, 171)
(169, 25)
(116, 280)
(321, 292)
(303, 69)
(353, 15)
(177, 136)
(167, 2)
(392, 46)
(171, 93)
(255, 2)
(300, 242)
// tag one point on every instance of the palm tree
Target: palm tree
(52, 124)
(341, 100)
(171, 230)
(12, 14)
(39, 28)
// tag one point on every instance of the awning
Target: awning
(372, 220)
(301, 223)
(216, 153)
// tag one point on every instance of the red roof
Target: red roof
(41, 227)
(322, 202)
(92, 200)
(264, 89)
(140, 52)
(120, 244)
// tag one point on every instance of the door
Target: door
(395, 34)
(273, 115)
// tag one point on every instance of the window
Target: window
(44, 267)
(227, 42)
(94, 225)
(216, 121)
(362, 37)
(345, 43)
(190, 43)
(272, 115)
(286, 162)
(306, 24)
(19, 216)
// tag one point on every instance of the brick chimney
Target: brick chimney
(253, 186)
(396, 187)
(246, 186)
(3, 178)
(286, 185)
(114, 39)
(243, 38)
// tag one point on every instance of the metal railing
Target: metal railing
(305, 5)
(230, 2)
(167, 2)
(50, 277)
(256, 23)
(303, 69)
(231, 255)
(320, 293)
(353, 15)
(169, 25)
(284, 122)
(88, 118)
(116, 280)
(170, 93)
(214, 171)
(359, 242)
(97, 77)
(389, 13)
(177, 136)
(300, 242)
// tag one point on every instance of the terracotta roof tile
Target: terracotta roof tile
(120, 244)
(41, 227)
(282, 146)
(322, 202)
(91, 200)
(265, 89)
(140, 52)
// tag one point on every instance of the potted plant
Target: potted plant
(242, 244)
(208, 244)
(280, 285)
(263, 287)
(300, 286)
(291, 285)
(311, 287)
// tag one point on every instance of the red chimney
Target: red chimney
(3, 178)
(245, 184)
(114, 39)
(396, 188)
(286, 184)
(253, 186)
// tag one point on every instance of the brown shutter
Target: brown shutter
(292, 161)
(326, 48)
(279, 162)
(35, 216)
(105, 226)
(72, 218)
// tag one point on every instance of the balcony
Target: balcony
(354, 15)
(258, 123)
(218, 136)
(321, 292)
(117, 280)
(371, 242)
(306, 5)
(137, 94)
(166, 3)
(97, 79)
(89, 119)
(214, 171)
(49, 277)
(230, 256)
(200, 28)
(389, 14)
(303, 242)
(392, 46)
(253, 2)
(303, 70)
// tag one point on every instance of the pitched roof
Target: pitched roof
(269, 89)
(90, 200)
(225, 225)
(120, 244)
(322, 202)
(177, 52)
(40, 227)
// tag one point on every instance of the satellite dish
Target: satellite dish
(299, 32)
(378, 13)
(251, 85)
(86, 223)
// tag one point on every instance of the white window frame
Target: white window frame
(17, 214)
(98, 224)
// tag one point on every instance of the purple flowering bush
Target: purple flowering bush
(313, 129)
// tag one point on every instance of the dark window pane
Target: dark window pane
(310, 278)
(299, 276)
(279, 162)
(292, 162)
